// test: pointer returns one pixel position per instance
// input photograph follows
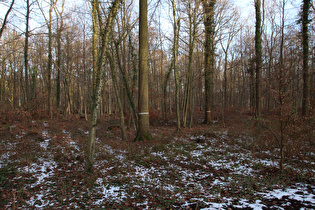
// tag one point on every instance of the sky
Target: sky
(246, 8)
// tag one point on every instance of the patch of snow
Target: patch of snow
(297, 192)
(109, 192)
(45, 134)
(40, 172)
(196, 153)
(44, 144)
(269, 162)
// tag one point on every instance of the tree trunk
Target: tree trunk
(188, 102)
(143, 100)
(175, 64)
(258, 50)
(27, 35)
(306, 102)
(5, 18)
(209, 7)
(58, 61)
(126, 83)
(105, 32)
(165, 85)
(95, 5)
(118, 99)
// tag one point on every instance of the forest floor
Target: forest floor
(207, 167)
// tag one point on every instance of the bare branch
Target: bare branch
(6, 17)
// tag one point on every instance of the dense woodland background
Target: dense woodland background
(30, 82)
(49, 59)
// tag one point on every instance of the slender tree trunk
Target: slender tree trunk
(105, 32)
(165, 85)
(143, 100)
(126, 83)
(282, 88)
(258, 50)
(306, 102)
(49, 63)
(58, 61)
(175, 64)
(188, 102)
(134, 77)
(118, 95)
(94, 4)
(27, 34)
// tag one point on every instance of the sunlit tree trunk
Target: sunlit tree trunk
(94, 5)
(143, 100)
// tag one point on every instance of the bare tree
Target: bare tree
(105, 30)
(27, 35)
(193, 20)
(306, 102)
(6, 18)
(176, 28)
(258, 58)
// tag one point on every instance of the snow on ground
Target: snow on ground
(185, 173)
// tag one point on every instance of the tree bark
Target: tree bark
(27, 35)
(117, 94)
(306, 102)
(58, 61)
(95, 5)
(175, 63)
(258, 50)
(193, 24)
(105, 33)
(143, 100)
(209, 9)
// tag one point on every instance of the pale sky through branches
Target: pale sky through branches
(16, 18)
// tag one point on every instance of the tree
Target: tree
(306, 102)
(232, 30)
(193, 29)
(94, 5)
(59, 15)
(50, 59)
(105, 30)
(176, 28)
(258, 57)
(209, 63)
(6, 18)
(143, 88)
(113, 71)
(27, 35)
